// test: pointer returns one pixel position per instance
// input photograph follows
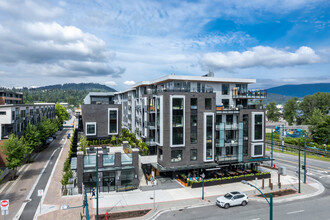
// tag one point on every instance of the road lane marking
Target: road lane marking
(294, 212)
(318, 168)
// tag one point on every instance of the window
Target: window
(208, 132)
(208, 103)
(160, 154)
(126, 159)
(108, 159)
(193, 103)
(193, 154)
(257, 150)
(225, 103)
(113, 121)
(225, 89)
(176, 155)
(2, 113)
(91, 128)
(177, 121)
(193, 129)
(90, 161)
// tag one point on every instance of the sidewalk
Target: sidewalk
(187, 197)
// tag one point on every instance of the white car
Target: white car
(232, 199)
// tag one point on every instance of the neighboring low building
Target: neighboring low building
(118, 168)
(8, 97)
(14, 118)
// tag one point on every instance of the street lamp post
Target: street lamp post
(305, 161)
(203, 176)
(271, 152)
(270, 201)
(299, 190)
(97, 184)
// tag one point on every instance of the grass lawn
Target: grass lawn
(302, 154)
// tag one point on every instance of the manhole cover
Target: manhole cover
(23, 189)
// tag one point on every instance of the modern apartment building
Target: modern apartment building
(101, 118)
(15, 117)
(197, 122)
(8, 97)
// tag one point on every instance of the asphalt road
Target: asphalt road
(311, 208)
(51, 156)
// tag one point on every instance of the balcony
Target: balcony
(150, 141)
(233, 126)
(250, 94)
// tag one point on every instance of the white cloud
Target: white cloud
(110, 83)
(260, 56)
(129, 82)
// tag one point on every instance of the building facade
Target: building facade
(8, 97)
(194, 123)
(118, 168)
(14, 118)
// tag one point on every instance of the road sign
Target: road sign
(4, 204)
(40, 192)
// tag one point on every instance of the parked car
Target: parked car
(49, 140)
(232, 199)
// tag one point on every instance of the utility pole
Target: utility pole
(97, 184)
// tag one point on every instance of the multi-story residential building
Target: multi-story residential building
(101, 118)
(193, 122)
(8, 97)
(14, 118)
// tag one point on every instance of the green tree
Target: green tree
(31, 137)
(290, 110)
(61, 113)
(15, 151)
(320, 101)
(320, 127)
(273, 113)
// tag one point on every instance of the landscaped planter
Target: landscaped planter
(233, 180)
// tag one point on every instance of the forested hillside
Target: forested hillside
(71, 93)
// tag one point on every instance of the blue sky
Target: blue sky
(118, 43)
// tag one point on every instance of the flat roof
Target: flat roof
(190, 78)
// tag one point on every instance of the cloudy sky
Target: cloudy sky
(118, 43)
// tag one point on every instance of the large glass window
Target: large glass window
(90, 161)
(176, 155)
(209, 137)
(208, 103)
(193, 154)
(108, 159)
(258, 127)
(127, 178)
(91, 128)
(177, 121)
(225, 89)
(113, 120)
(126, 159)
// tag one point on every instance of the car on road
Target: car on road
(49, 140)
(232, 199)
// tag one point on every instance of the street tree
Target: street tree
(15, 150)
(61, 113)
(273, 113)
(31, 137)
(290, 110)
